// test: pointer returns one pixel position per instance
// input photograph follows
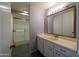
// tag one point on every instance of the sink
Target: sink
(49, 36)
(52, 37)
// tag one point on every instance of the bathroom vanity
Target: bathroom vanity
(56, 46)
(60, 38)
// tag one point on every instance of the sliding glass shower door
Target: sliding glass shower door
(20, 31)
(21, 38)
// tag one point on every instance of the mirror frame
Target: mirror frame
(46, 23)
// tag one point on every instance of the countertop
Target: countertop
(67, 42)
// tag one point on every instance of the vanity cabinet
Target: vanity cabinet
(40, 45)
(64, 51)
(48, 49)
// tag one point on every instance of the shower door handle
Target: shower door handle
(12, 46)
(14, 30)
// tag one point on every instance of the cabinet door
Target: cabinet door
(58, 54)
(40, 45)
(68, 22)
(58, 24)
(65, 51)
(48, 49)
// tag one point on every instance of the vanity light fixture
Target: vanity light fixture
(57, 8)
(24, 13)
(4, 7)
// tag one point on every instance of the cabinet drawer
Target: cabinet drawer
(65, 51)
(58, 54)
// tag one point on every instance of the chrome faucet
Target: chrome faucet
(56, 36)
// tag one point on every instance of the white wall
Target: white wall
(37, 15)
(5, 30)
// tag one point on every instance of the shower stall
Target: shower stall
(20, 13)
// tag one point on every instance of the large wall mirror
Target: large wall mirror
(63, 22)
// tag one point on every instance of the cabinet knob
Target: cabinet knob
(49, 48)
(58, 54)
(63, 50)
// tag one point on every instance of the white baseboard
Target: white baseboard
(5, 55)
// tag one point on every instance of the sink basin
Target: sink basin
(49, 36)
(52, 37)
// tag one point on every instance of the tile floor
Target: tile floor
(23, 51)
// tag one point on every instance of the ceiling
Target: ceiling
(18, 7)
